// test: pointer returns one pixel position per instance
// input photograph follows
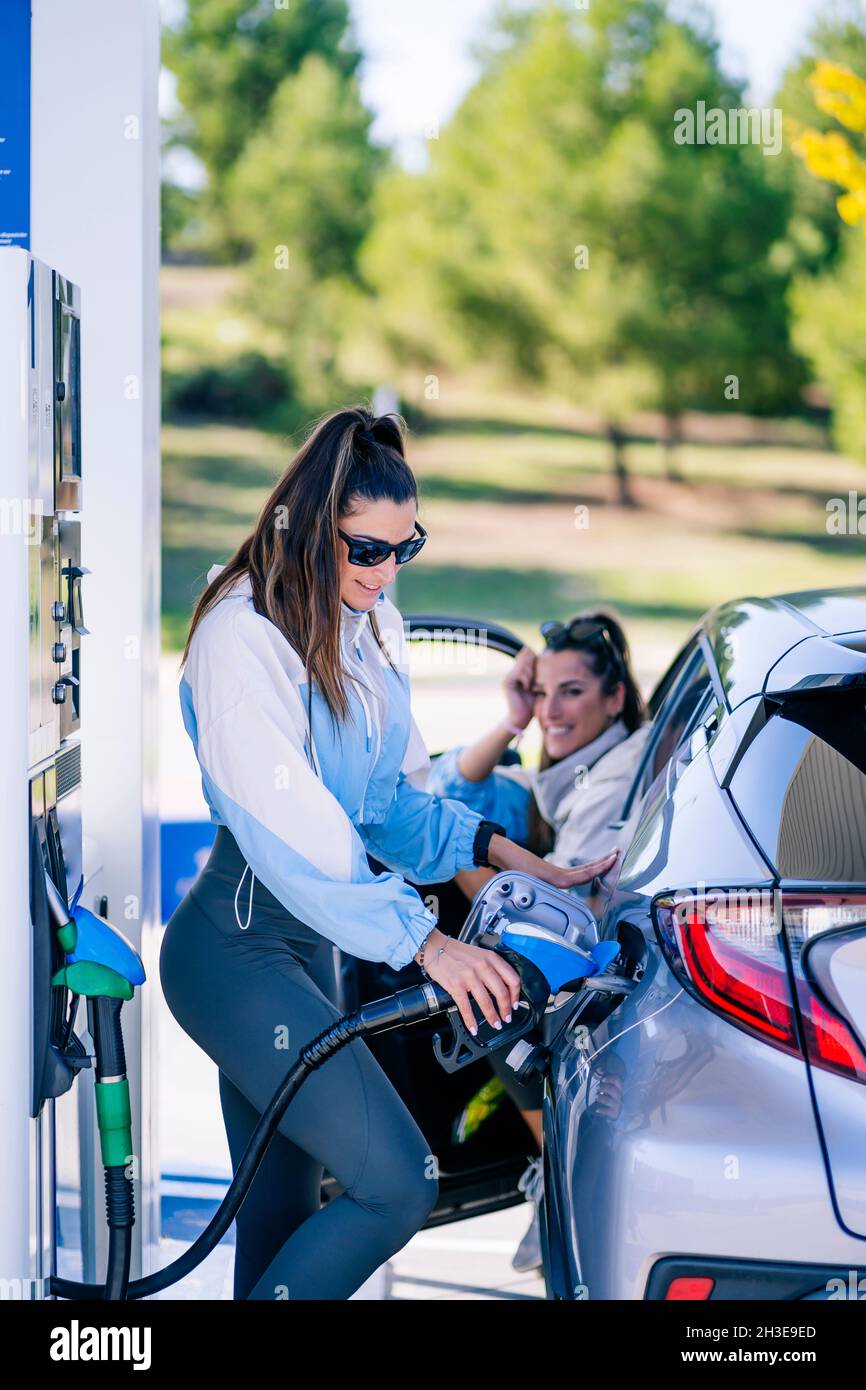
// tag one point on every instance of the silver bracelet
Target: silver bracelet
(424, 952)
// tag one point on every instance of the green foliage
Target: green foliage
(229, 58)
(178, 209)
(246, 387)
(839, 36)
(567, 142)
(300, 197)
(216, 359)
(830, 311)
(305, 177)
(828, 296)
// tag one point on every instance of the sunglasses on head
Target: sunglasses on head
(363, 552)
(579, 630)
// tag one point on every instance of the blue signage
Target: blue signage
(15, 123)
(184, 849)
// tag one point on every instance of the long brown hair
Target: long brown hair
(292, 556)
(613, 668)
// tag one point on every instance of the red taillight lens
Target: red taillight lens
(727, 946)
(691, 1287)
(829, 1039)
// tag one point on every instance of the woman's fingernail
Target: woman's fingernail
(497, 1023)
(473, 1029)
(508, 1018)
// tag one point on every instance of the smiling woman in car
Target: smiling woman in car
(583, 693)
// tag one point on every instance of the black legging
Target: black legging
(247, 999)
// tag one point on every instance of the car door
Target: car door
(584, 1064)
(691, 703)
(456, 668)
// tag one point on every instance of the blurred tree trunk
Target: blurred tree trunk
(672, 440)
(617, 442)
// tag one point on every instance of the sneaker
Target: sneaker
(528, 1253)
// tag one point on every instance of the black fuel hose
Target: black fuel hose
(393, 1011)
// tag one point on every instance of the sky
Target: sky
(418, 60)
(418, 65)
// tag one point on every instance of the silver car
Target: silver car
(705, 1134)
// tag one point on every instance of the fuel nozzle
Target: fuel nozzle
(466, 1047)
(551, 940)
(101, 964)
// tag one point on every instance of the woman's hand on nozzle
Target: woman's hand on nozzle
(473, 972)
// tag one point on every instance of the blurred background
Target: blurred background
(633, 369)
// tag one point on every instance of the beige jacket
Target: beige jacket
(582, 796)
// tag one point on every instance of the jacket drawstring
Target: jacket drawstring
(356, 643)
(243, 925)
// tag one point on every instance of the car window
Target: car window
(672, 675)
(691, 701)
(802, 787)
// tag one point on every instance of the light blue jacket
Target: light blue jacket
(505, 796)
(305, 810)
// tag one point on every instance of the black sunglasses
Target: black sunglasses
(362, 552)
(579, 630)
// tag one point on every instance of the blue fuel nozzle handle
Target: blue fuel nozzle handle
(561, 962)
(88, 938)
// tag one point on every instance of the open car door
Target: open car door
(457, 665)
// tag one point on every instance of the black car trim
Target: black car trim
(501, 639)
(682, 669)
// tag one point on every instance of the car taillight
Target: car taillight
(829, 1040)
(726, 946)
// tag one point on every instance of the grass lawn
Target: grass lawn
(501, 476)
(499, 497)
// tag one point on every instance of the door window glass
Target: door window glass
(692, 701)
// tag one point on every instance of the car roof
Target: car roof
(749, 636)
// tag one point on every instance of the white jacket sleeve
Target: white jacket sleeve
(292, 831)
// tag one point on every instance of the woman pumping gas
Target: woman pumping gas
(295, 693)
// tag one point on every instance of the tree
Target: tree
(562, 232)
(830, 307)
(830, 311)
(829, 154)
(814, 234)
(299, 196)
(229, 58)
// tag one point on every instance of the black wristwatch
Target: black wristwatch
(483, 835)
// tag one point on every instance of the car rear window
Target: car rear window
(801, 787)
